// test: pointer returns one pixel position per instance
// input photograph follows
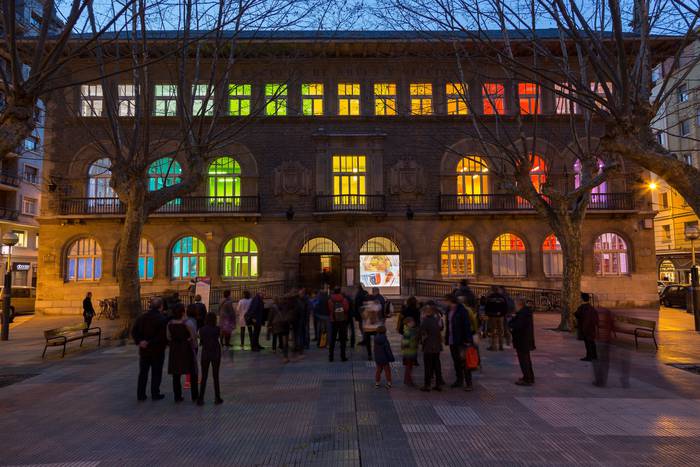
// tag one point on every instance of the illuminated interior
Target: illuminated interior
(349, 99)
(508, 256)
(239, 96)
(457, 256)
(457, 98)
(189, 258)
(312, 99)
(349, 180)
(275, 99)
(241, 258)
(493, 98)
(421, 98)
(385, 99)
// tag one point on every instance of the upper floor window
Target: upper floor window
(682, 92)
(189, 258)
(31, 174)
(664, 200)
(240, 258)
(29, 206)
(224, 180)
(239, 96)
(385, 99)
(165, 100)
(578, 168)
(312, 99)
(493, 98)
(84, 260)
(538, 172)
(203, 100)
(457, 256)
(163, 172)
(91, 100)
(666, 233)
(508, 256)
(421, 98)
(552, 257)
(685, 127)
(529, 98)
(610, 255)
(21, 238)
(349, 180)
(276, 99)
(472, 178)
(349, 99)
(127, 100)
(599, 89)
(688, 158)
(99, 177)
(146, 260)
(456, 94)
(563, 104)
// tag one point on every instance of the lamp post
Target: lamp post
(9, 240)
(692, 233)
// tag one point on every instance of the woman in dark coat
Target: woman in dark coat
(181, 359)
(211, 356)
(523, 330)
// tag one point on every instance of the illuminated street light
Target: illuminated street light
(9, 240)
(652, 186)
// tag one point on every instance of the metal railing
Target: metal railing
(350, 203)
(9, 214)
(542, 299)
(508, 202)
(9, 178)
(184, 205)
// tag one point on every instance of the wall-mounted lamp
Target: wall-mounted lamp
(290, 213)
(409, 212)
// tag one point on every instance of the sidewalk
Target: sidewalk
(82, 411)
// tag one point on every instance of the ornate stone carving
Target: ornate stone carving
(406, 177)
(292, 178)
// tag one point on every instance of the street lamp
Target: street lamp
(692, 233)
(10, 239)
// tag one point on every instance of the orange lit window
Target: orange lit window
(538, 172)
(494, 102)
(529, 98)
(508, 256)
(552, 257)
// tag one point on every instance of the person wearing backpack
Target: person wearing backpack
(338, 312)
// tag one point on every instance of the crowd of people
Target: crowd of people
(196, 338)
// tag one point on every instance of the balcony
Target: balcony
(350, 203)
(508, 202)
(8, 214)
(9, 179)
(219, 205)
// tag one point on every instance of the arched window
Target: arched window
(380, 264)
(457, 256)
(552, 257)
(84, 260)
(163, 172)
(189, 258)
(224, 180)
(472, 178)
(508, 256)
(610, 254)
(146, 260)
(320, 245)
(240, 258)
(538, 172)
(599, 189)
(99, 176)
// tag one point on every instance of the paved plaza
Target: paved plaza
(82, 410)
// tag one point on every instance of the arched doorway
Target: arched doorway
(319, 263)
(380, 265)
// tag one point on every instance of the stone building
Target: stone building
(358, 168)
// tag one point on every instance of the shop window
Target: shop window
(610, 255)
(385, 99)
(508, 256)
(349, 99)
(312, 99)
(239, 96)
(189, 258)
(84, 260)
(552, 257)
(421, 98)
(241, 258)
(457, 257)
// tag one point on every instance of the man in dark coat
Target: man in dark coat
(431, 339)
(88, 310)
(458, 335)
(256, 313)
(149, 334)
(201, 310)
(523, 330)
(496, 309)
(587, 318)
(338, 313)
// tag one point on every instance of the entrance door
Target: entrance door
(317, 269)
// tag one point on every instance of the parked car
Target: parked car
(23, 301)
(674, 295)
(660, 286)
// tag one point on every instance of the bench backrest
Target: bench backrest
(64, 330)
(645, 323)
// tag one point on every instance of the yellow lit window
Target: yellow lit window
(312, 99)
(457, 256)
(385, 99)
(421, 98)
(239, 96)
(457, 98)
(349, 99)
(276, 99)
(349, 180)
(472, 176)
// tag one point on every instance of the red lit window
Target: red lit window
(494, 102)
(529, 98)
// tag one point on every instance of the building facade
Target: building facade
(678, 126)
(357, 168)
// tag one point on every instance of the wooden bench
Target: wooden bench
(62, 336)
(636, 327)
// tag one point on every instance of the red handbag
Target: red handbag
(472, 358)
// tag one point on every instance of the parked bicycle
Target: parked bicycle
(108, 309)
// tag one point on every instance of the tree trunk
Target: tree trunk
(572, 252)
(16, 124)
(129, 301)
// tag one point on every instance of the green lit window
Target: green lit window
(165, 98)
(349, 99)
(385, 99)
(421, 98)
(239, 96)
(203, 103)
(241, 258)
(457, 98)
(312, 99)
(189, 257)
(276, 99)
(164, 172)
(224, 181)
